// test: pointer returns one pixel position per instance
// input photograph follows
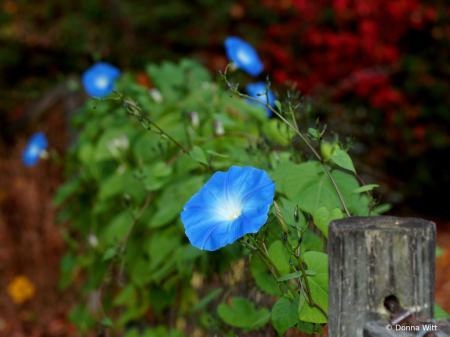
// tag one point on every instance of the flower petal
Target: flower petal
(230, 205)
(98, 80)
(242, 181)
(253, 89)
(36, 144)
(212, 235)
(244, 55)
(212, 194)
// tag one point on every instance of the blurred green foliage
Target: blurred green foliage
(127, 185)
(117, 164)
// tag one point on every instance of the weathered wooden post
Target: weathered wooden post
(371, 258)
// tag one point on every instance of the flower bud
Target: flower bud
(195, 120)
(280, 218)
(156, 95)
(296, 214)
(93, 241)
(219, 128)
(328, 149)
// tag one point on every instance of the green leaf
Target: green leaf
(242, 314)
(280, 174)
(439, 313)
(311, 189)
(322, 218)
(198, 155)
(285, 314)
(343, 160)
(214, 153)
(208, 298)
(112, 186)
(109, 254)
(160, 247)
(260, 321)
(86, 154)
(318, 285)
(381, 209)
(365, 188)
(126, 296)
(266, 282)
(116, 228)
(280, 257)
(311, 242)
(277, 131)
(65, 191)
(224, 119)
(439, 251)
(140, 272)
(80, 316)
(314, 132)
(107, 322)
(166, 75)
(161, 298)
(295, 275)
(173, 198)
(278, 104)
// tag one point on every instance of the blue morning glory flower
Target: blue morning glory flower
(230, 205)
(98, 80)
(36, 144)
(244, 55)
(253, 89)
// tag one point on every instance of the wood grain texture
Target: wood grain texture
(371, 258)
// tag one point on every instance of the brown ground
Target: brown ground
(30, 242)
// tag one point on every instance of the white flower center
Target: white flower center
(243, 56)
(101, 82)
(232, 212)
(35, 151)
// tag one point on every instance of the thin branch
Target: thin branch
(302, 137)
(271, 262)
(337, 190)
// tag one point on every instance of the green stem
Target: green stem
(271, 262)
(313, 333)
(308, 291)
(305, 277)
(162, 132)
(337, 189)
(254, 249)
(272, 272)
(307, 143)
(132, 105)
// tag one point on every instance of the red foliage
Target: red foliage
(349, 46)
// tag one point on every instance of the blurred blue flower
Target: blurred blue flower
(244, 55)
(98, 80)
(36, 144)
(230, 205)
(253, 89)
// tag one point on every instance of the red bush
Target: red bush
(348, 46)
